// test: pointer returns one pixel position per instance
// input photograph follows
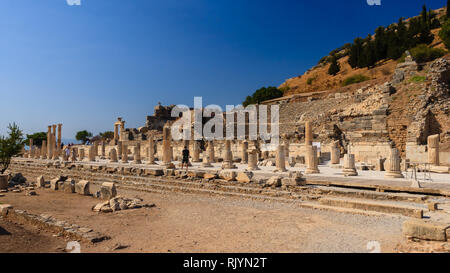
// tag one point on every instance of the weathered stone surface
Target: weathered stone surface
(82, 187)
(274, 181)
(54, 184)
(209, 176)
(108, 191)
(228, 175)
(3, 181)
(244, 177)
(40, 181)
(4, 208)
(425, 230)
(68, 186)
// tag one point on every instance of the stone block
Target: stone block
(40, 182)
(228, 175)
(82, 187)
(108, 191)
(425, 230)
(244, 177)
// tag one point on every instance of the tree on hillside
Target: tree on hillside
(10, 146)
(106, 135)
(334, 66)
(83, 136)
(445, 33)
(448, 9)
(355, 52)
(263, 94)
(37, 138)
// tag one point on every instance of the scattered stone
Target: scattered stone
(108, 191)
(31, 193)
(40, 182)
(244, 177)
(82, 187)
(274, 181)
(120, 203)
(228, 175)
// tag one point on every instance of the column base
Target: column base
(393, 175)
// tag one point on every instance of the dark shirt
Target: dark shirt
(185, 154)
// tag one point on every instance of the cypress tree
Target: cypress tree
(448, 9)
(334, 66)
(355, 53)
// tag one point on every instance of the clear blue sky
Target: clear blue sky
(85, 65)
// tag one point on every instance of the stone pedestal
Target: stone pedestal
(312, 160)
(228, 157)
(393, 165)
(113, 155)
(244, 152)
(137, 154)
(281, 159)
(349, 165)
(205, 161)
(433, 150)
(335, 154)
(253, 160)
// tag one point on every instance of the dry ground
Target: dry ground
(192, 223)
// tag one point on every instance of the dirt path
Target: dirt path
(191, 223)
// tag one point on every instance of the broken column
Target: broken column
(31, 154)
(392, 165)
(211, 154)
(335, 153)
(119, 150)
(81, 155)
(433, 150)
(228, 156)
(253, 160)
(244, 152)
(113, 155)
(137, 154)
(286, 149)
(103, 150)
(151, 151)
(280, 159)
(205, 160)
(349, 165)
(311, 160)
(92, 153)
(44, 150)
(308, 133)
(49, 142)
(59, 139)
(167, 149)
(73, 157)
(124, 153)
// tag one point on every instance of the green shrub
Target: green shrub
(418, 79)
(309, 81)
(263, 94)
(422, 53)
(445, 33)
(355, 79)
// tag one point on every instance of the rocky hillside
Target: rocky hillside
(317, 78)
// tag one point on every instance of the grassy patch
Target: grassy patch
(355, 79)
(418, 79)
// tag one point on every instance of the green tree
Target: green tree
(37, 138)
(334, 66)
(355, 52)
(83, 136)
(10, 146)
(448, 9)
(106, 135)
(263, 94)
(445, 33)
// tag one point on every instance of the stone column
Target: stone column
(151, 151)
(31, 149)
(335, 153)
(244, 152)
(96, 148)
(349, 165)
(253, 160)
(44, 150)
(311, 160)
(49, 142)
(392, 165)
(433, 150)
(116, 132)
(211, 154)
(228, 156)
(113, 155)
(286, 149)
(59, 138)
(281, 159)
(124, 153)
(137, 154)
(195, 151)
(55, 152)
(103, 149)
(81, 154)
(37, 153)
(167, 157)
(92, 153)
(122, 129)
(308, 133)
